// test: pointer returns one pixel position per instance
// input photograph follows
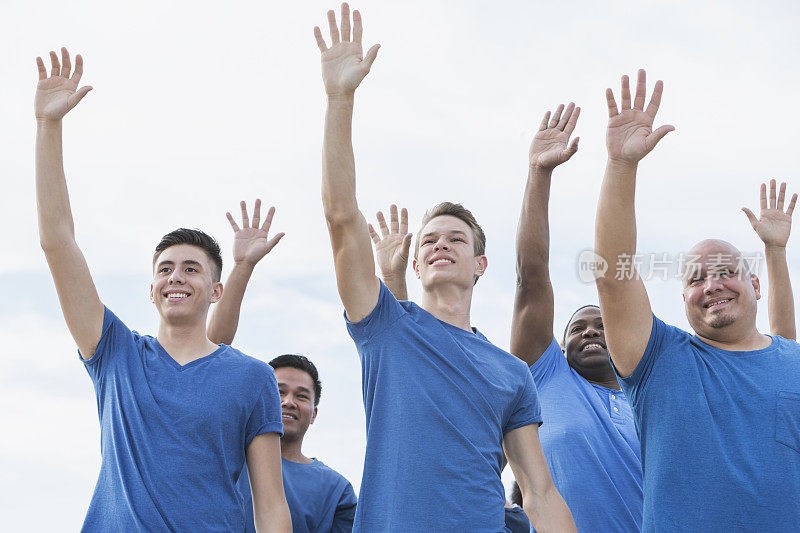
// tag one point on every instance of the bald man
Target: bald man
(718, 412)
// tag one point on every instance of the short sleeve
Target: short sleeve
(662, 337)
(527, 410)
(115, 339)
(549, 365)
(385, 313)
(345, 510)
(266, 414)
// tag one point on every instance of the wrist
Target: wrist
(245, 265)
(538, 171)
(621, 165)
(47, 123)
(341, 98)
(772, 248)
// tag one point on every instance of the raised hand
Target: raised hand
(392, 249)
(343, 64)
(775, 224)
(551, 146)
(57, 94)
(251, 242)
(630, 135)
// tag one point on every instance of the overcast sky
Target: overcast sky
(197, 106)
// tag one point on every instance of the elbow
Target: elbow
(341, 218)
(532, 276)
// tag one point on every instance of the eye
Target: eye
(458, 239)
(601, 325)
(427, 241)
(191, 269)
(576, 329)
(302, 396)
(695, 281)
(163, 270)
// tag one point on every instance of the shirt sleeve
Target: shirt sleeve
(345, 510)
(662, 336)
(527, 410)
(551, 362)
(115, 339)
(385, 313)
(266, 414)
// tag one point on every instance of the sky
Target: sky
(197, 105)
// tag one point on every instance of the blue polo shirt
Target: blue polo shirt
(438, 400)
(172, 437)
(590, 442)
(720, 434)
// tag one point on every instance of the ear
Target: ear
(481, 262)
(756, 285)
(415, 266)
(563, 349)
(313, 415)
(216, 292)
(152, 295)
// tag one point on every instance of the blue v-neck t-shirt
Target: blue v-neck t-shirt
(173, 437)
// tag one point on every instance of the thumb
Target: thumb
(751, 217)
(273, 241)
(406, 246)
(657, 135)
(372, 53)
(571, 149)
(78, 96)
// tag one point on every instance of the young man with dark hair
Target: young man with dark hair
(179, 415)
(718, 411)
(320, 499)
(442, 403)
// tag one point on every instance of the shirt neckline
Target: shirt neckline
(179, 367)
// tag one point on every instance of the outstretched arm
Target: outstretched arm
(391, 250)
(773, 228)
(55, 96)
(270, 510)
(532, 320)
(343, 68)
(541, 501)
(250, 244)
(627, 316)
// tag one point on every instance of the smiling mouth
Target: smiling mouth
(175, 296)
(289, 416)
(717, 303)
(593, 346)
(442, 262)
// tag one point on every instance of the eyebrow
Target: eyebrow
(443, 232)
(300, 388)
(187, 262)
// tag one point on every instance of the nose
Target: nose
(287, 400)
(441, 244)
(591, 331)
(176, 276)
(712, 284)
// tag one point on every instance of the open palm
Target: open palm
(391, 249)
(251, 242)
(551, 146)
(774, 225)
(58, 93)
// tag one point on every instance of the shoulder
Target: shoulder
(239, 363)
(334, 477)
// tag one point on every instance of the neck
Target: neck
(449, 303)
(604, 377)
(735, 341)
(292, 450)
(185, 342)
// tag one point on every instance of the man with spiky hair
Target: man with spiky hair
(442, 403)
(179, 415)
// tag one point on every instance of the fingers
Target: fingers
(42, 70)
(573, 121)
(55, 69)
(657, 135)
(793, 201)
(612, 104)
(245, 218)
(556, 116)
(345, 22)
(406, 245)
(66, 65)
(404, 220)
(78, 96)
(763, 196)
(393, 219)
(781, 196)
(751, 217)
(382, 224)
(357, 28)
(373, 234)
(78, 73)
(320, 41)
(641, 90)
(372, 53)
(655, 100)
(626, 93)
(268, 221)
(566, 116)
(772, 194)
(233, 222)
(542, 126)
(257, 213)
(273, 241)
(332, 27)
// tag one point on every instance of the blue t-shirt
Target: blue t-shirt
(590, 442)
(173, 437)
(320, 499)
(720, 434)
(438, 400)
(517, 521)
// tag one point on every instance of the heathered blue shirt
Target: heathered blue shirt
(590, 442)
(720, 434)
(438, 400)
(320, 499)
(173, 437)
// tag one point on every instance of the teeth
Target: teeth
(441, 261)
(177, 295)
(593, 346)
(717, 303)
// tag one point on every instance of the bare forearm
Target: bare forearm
(549, 512)
(781, 300)
(397, 286)
(338, 161)
(52, 199)
(225, 320)
(615, 233)
(273, 520)
(533, 233)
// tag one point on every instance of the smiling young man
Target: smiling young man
(179, 415)
(442, 403)
(718, 411)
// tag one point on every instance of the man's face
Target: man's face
(446, 254)
(297, 401)
(718, 290)
(585, 343)
(183, 287)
